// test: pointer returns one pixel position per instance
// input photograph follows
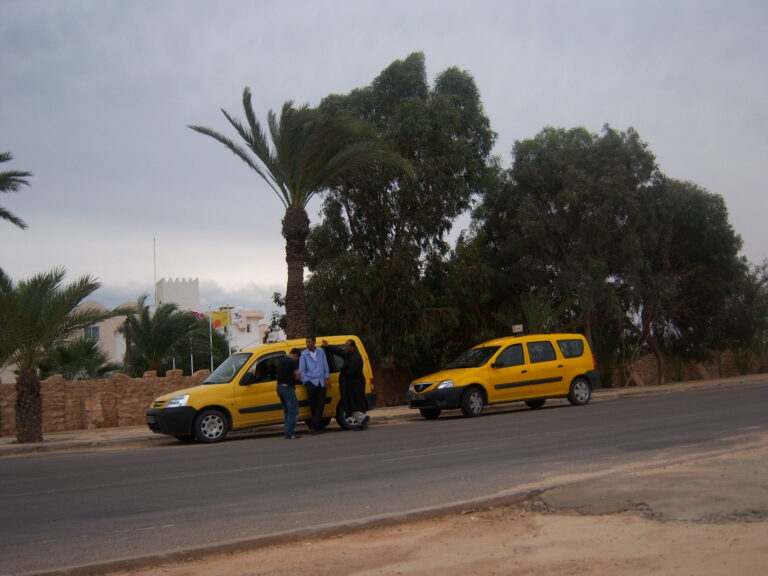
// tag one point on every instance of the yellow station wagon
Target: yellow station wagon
(242, 393)
(528, 368)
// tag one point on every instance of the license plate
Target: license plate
(151, 419)
(418, 396)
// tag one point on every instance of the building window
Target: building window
(91, 332)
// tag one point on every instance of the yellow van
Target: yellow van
(528, 368)
(242, 393)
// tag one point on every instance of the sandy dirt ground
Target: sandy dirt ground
(704, 514)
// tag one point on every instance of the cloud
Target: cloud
(97, 96)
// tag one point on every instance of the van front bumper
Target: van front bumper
(446, 399)
(171, 421)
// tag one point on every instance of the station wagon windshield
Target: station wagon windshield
(228, 369)
(473, 358)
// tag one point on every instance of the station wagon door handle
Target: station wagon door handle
(559, 365)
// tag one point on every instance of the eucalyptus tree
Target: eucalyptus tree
(35, 314)
(300, 154)
(371, 255)
(680, 288)
(575, 195)
(153, 338)
(12, 181)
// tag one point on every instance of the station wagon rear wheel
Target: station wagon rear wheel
(472, 403)
(430, 413)
(211, 426)
(580, 392)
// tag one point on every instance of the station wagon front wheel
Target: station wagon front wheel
(580, 392)
(535, 404)
(211, 426)
(430, 413)
(472, 403)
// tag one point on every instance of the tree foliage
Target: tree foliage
(588, 223)
(12, 181)
(152, 339)
(78, 359)
(370, 256)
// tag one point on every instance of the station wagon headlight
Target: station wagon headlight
(445, 384)
(177, 401)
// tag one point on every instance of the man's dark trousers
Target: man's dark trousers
(316, 395)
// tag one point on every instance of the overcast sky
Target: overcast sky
(95, 97)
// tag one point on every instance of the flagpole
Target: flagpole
(229, 329)
(154, 263)
(210, 333)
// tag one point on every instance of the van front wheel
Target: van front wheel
(323, 423)
(580, 392)
(211, 426)
(472, 403)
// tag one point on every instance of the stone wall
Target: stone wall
(88, 404)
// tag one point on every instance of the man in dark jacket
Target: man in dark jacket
(286, 390)
(352, 382)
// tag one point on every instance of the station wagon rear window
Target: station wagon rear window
(571, 348)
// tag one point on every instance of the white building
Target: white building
(246, 328)
(184, 293)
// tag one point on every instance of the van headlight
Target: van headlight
(177, 401)
(445, 384)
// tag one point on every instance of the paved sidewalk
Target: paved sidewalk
(105, 437)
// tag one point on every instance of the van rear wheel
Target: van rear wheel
(580, 392)
(430, 413)
(472, 403)
(211, 426)
(346, 422)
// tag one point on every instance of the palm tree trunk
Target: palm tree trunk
(295, 232)
(29, 407)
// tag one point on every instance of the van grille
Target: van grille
(158, 403)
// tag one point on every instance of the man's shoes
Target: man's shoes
(293, 437)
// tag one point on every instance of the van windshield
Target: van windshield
(228, 369)
(473, 358)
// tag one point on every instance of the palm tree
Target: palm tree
(151, 339)
(11, 181)
(307, 152)
(35, 314)
(77, 359)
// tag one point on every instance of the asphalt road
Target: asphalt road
(61, 510)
